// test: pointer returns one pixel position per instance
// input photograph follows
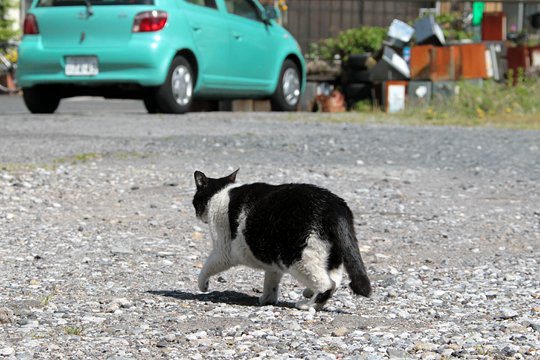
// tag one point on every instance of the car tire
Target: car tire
(287, 94)
(150, 104)
(40, 100)
(175, 96)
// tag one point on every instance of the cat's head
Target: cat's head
(206, 188)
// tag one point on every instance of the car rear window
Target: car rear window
(93, 2)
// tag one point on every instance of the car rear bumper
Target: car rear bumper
(143, 61)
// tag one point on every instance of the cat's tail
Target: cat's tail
(354, 265)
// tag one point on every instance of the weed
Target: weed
(363, 106)
(43, 335)
(482, 350)
(73, 330)
(127, 155)
(16, 168)
(78, 158)
(512, 105)
(47, 299)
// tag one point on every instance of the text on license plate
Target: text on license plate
(81, 66)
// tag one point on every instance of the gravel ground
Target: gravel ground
(100, 249)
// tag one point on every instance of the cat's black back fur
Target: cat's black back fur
(282, 217)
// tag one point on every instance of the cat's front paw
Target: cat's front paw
(203, 284)
(268, 299)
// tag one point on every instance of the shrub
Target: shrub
(6, 25)
(453, 26)
(352, 41)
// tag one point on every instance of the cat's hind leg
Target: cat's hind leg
(312, 271)
(336, 275)
(317, 280)
(271, 287)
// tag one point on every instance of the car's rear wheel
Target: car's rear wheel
(40, 100)
(287, 94)
(150, 104)
(175, 96)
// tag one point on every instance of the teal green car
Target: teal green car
(167, 53)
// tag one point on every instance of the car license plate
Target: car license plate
(81, 66)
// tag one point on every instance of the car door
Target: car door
(252, 46)
(211, 36)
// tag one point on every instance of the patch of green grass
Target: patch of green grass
(127, 155)
(482, 350)
(515, 104)
(77, 158)
(47, 299)
(87, 157)
(73, 330)
(363, 106)
(43, 335)
(14, 167)
(492, 104)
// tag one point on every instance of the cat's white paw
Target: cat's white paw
(203, 284)
(304, 304)
(268, 299)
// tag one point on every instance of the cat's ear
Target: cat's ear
(200, 179)
(232, 177)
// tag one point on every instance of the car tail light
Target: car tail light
(30, 25)
(149, 21)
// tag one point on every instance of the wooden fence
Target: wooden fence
(313, 20)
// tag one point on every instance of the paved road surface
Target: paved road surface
(15, 105)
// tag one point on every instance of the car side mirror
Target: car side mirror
(270, 13)
(267, 14)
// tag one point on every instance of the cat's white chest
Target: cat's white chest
(218, 216)
(235, 251)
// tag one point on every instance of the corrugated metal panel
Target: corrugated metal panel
(445, 63)
(473, 61)
(420, 62)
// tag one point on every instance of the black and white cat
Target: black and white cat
(299, 229)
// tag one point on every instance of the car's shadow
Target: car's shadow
(222, 297)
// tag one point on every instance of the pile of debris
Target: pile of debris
(417, 65)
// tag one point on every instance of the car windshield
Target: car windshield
(93, 2)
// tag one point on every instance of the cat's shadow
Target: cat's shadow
(221, 297)
(226, 297)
